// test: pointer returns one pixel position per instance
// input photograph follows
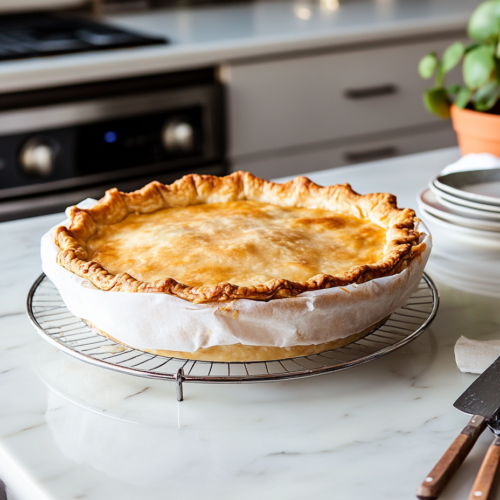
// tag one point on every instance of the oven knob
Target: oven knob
(37, 157)
(178, 136)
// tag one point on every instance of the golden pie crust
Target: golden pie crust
(247, 353)
(216, 239)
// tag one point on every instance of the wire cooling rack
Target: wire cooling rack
(57, 325)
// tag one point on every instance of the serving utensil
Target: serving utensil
(483, 485)
(482, 401)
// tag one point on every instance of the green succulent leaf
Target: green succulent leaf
(472, 46)
(452, 56)
(463, 97)
(497, 69)
(436, 101)
(484, 23)
(453, 89)
(486, 97)
(428, 65)
(478, 67)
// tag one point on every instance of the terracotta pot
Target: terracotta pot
(476, 132)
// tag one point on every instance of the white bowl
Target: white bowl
(480, 186)
(428, 202)
(467, 281)
(443, 195)
(443, 229)
(473, 213)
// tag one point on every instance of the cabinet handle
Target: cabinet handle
(367, 92)
(370, 154)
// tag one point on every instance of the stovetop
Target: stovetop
(41, 34)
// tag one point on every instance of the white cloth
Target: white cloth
(474, 356)
(473, 161)
(161, 321)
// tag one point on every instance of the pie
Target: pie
(215, 240)
(245, 353)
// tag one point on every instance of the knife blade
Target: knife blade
(483, 395)
(481, 400)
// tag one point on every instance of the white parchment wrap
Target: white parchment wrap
(160, 321)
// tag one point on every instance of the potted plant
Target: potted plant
(474, 107)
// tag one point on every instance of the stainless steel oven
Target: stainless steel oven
(60, 145)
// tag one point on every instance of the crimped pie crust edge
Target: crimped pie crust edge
(402, 243)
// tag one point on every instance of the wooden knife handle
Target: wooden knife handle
(443, 471)
(483, 485)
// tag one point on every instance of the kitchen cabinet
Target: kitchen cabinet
(345, 72)
(327, 109)
(319, 157)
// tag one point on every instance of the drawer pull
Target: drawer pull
(367, 92)
(370, 154)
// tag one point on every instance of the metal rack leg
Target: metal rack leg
(179, 378)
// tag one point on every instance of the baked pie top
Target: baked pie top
(206, 238)
(241, 242)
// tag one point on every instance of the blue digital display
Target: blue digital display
(110, 137)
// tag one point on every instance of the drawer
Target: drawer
(284, 103)
(313, 159)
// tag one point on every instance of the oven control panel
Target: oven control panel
(106, 146)
(67, 145)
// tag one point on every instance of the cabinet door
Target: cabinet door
(305, 100)
(314, 159)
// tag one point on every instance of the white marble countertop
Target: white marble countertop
(212, 35)
(69, 430)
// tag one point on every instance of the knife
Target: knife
(485, 478)
(482, 401)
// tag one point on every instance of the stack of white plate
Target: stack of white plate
(462, 210)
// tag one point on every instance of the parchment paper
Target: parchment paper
(160, 321)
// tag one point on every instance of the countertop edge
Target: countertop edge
(80, 68)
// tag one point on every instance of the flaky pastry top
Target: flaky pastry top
(215, 239)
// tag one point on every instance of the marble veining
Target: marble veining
(69, 430)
